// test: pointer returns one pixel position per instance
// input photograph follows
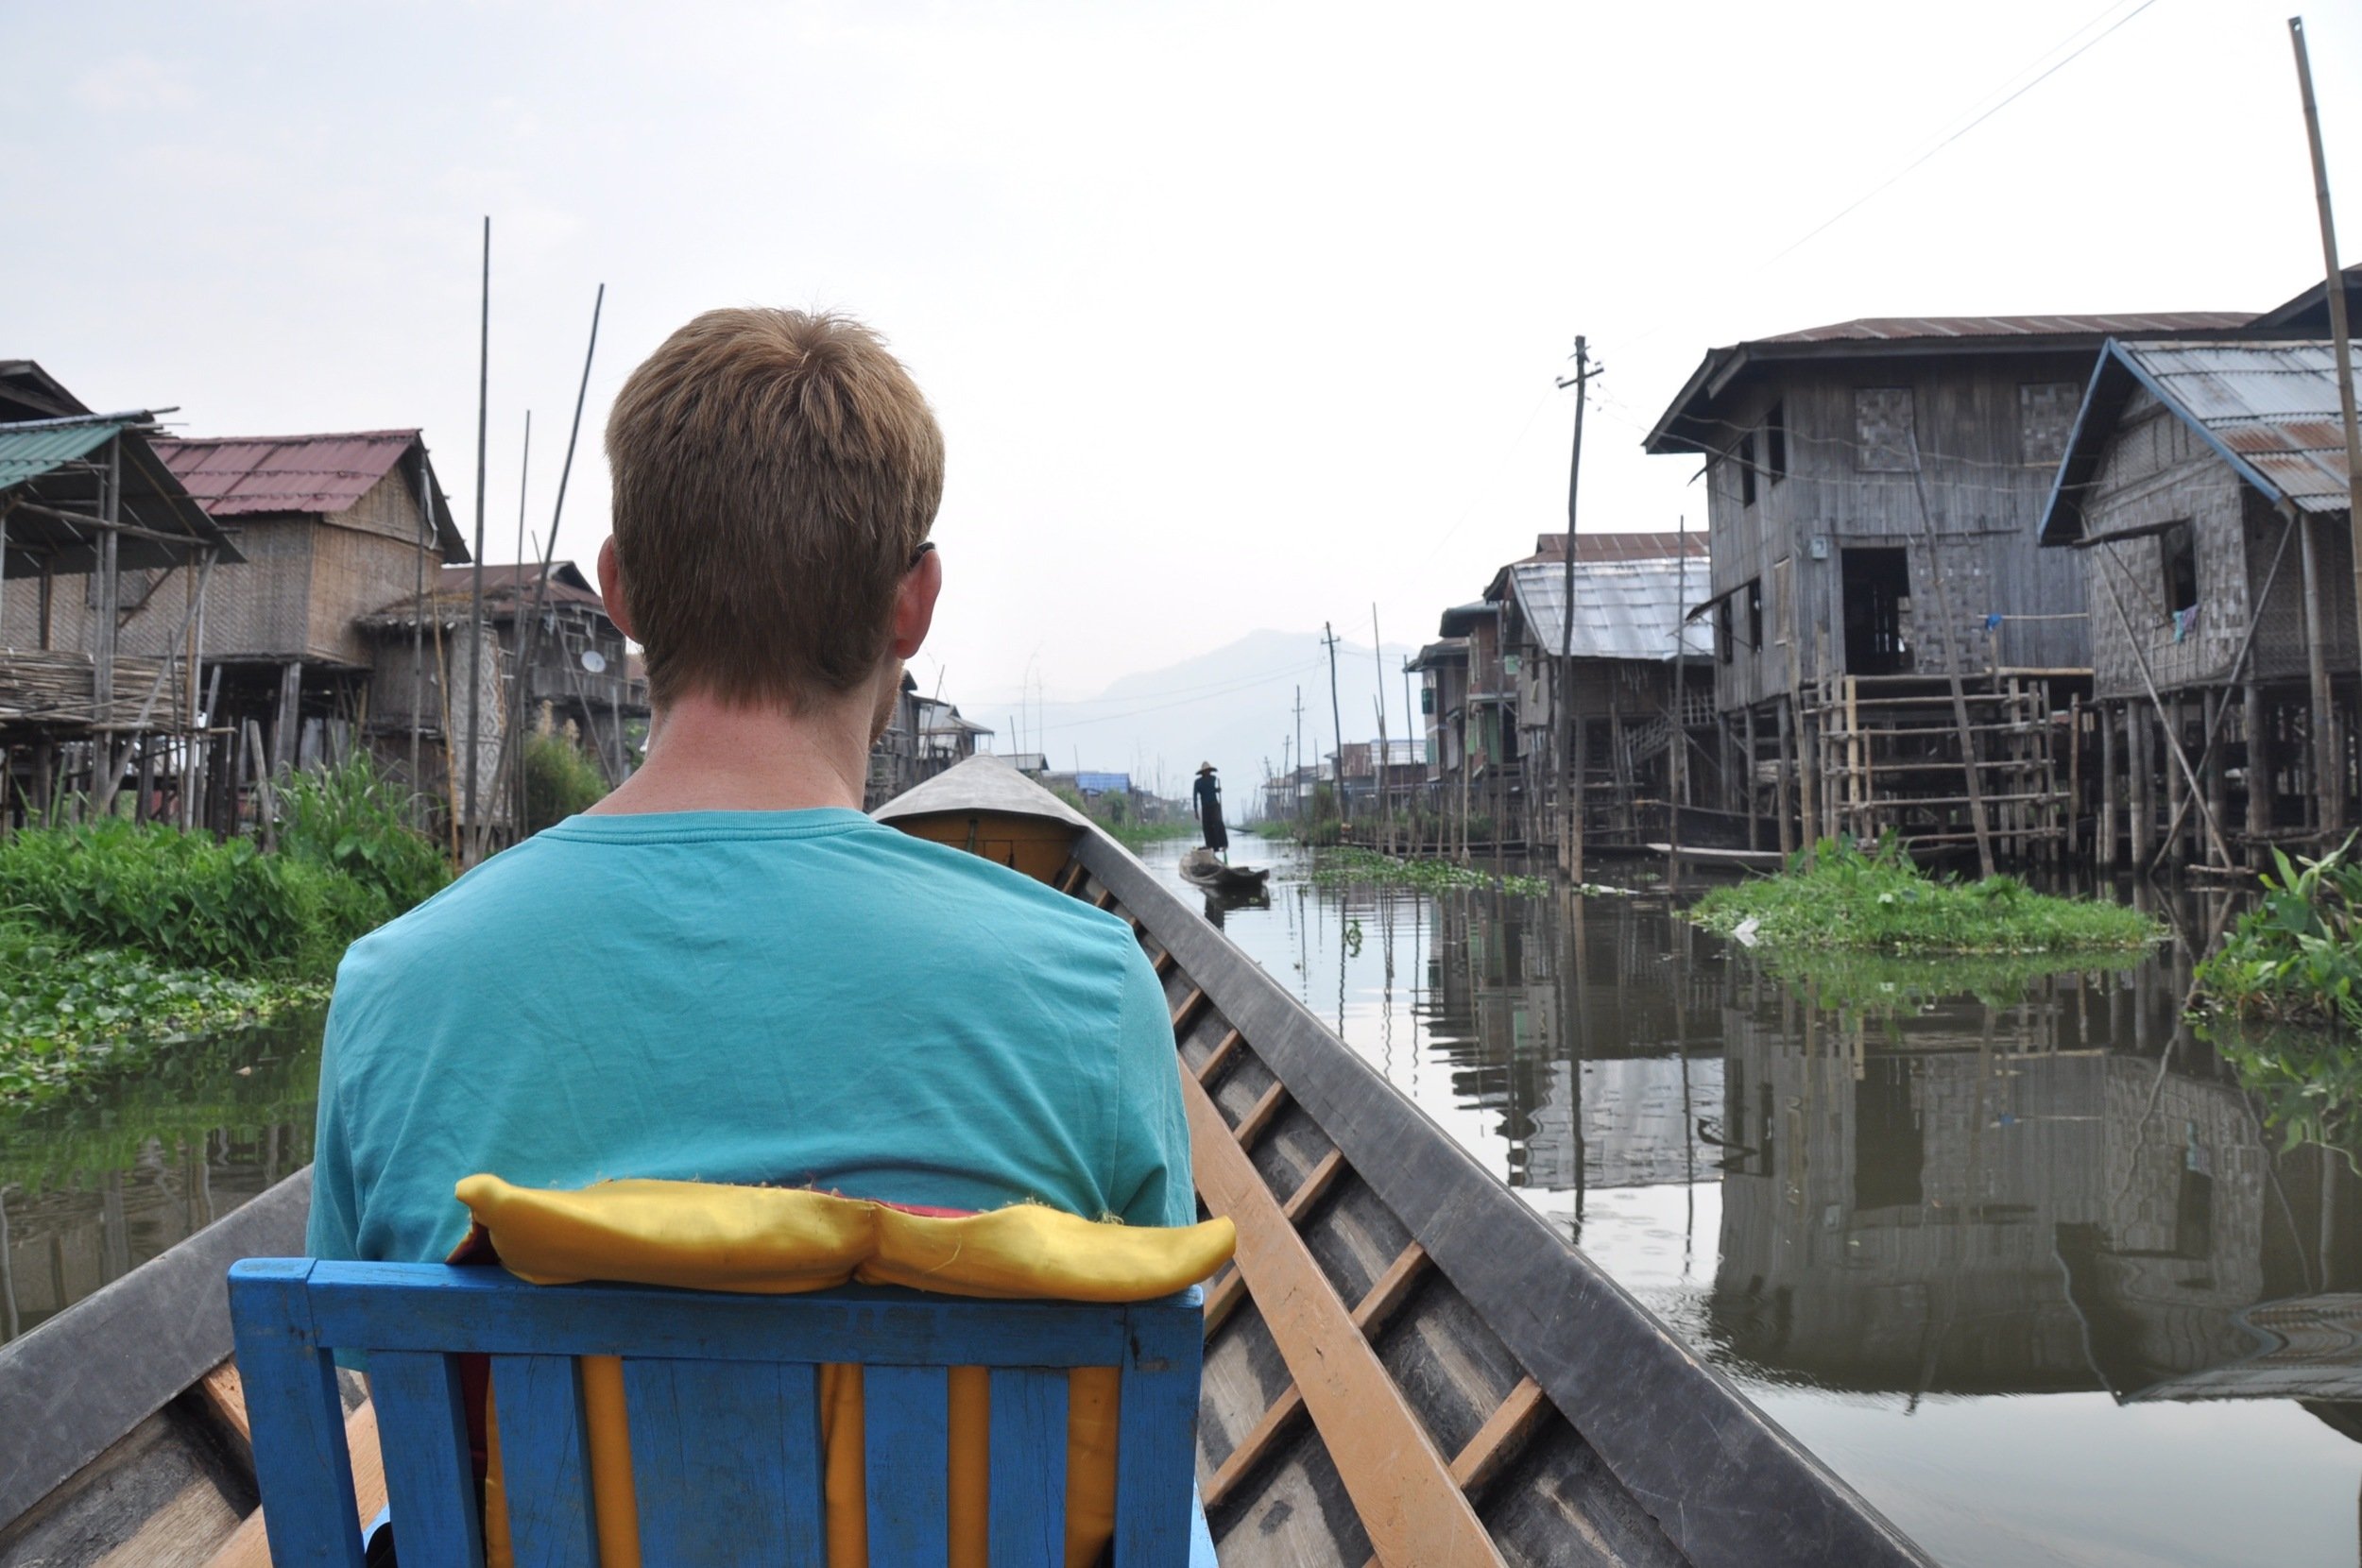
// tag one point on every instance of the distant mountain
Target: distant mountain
(1233, 707)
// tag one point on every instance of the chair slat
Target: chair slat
(295, 1414)
(545, 1460)
(906, 1414)
(706, 1432)
(1156, 1432)
(429, 1478)
(1028, 1511)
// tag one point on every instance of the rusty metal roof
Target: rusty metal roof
(507, 591)
(320, 475)
(1620, 547)
(1891, 329)
(2268, 409)
(1623, 608)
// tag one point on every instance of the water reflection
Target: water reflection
(89, 1191)
(1902, 1205)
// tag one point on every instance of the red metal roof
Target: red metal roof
(235, 476)
(1878, 329)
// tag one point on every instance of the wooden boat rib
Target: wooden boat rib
(1405, 1365)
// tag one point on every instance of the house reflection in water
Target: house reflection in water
(2061, 1190)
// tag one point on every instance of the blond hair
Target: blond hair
(774, 472)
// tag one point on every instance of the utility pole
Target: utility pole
(1378, 767)
(1295, 784)
(475, 613)
(1562, 683)
(2341, 344)
(1336, 718)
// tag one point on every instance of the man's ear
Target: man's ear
(914, 603)
(611, 589)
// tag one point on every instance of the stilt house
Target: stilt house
(95, 533)
(1874, 489)
(2205, 489)
(1634, 671)
(579, 670)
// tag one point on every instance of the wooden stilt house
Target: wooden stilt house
(2205, 489)
(1890, 645)
(105, 567)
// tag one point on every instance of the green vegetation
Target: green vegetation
(2309, 1081)
(2296, 957)
(559, 779)
(1840, 898)
(119, 942)
(1346, 864)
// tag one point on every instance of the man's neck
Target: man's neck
(706, 756)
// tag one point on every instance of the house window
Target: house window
(1722, 630)
(2178, 546)
(1754, 612)
(1776, 442)
(2045, 416)
(1884, 429)
(1747, 469)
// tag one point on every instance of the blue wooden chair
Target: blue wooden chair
(722, 1394)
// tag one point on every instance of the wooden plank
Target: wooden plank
(545, 1460)
(1400, 1484)
(1187, 1012)
(1107, 898)
(1157, 1435)
(1503, 1433)
(1163, 963)
(1076, 874)
(1391, 1289)
(297, 1416)
(225, 1395)
(1276, 1420)
(1028, 1509)
(431, 1306)
(707, 1430)
(1224, 1299)
(1314, 1186)
(1220, 1057)
(248, 1545)
(431, 1479)
(1261, 1114)
(1497, 1440)
(906, 1434)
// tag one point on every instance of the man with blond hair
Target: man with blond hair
(724, 971)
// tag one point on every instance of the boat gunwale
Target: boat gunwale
(88, 1377)
(1649, 1392)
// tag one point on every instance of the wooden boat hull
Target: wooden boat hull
(1406, 1364)
(1200, 869)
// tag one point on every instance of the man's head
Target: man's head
(776, 476)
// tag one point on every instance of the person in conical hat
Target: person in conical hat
(1206, 798)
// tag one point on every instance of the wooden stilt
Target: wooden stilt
(2111, 716)
(2260, 787)
(2214, 777)
(1783, 786)
(2140, 725)
(1747, 778)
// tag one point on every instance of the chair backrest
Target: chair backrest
(723, 1393)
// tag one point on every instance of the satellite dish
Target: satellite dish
(594, 661)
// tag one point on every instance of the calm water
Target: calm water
(88, 1192)
(1982, 1256)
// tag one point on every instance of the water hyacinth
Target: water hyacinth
(1880, 902)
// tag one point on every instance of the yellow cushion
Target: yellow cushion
(784, 1240)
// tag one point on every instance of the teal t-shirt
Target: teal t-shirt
(802, 999)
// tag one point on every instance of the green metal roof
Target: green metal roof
(29, 451)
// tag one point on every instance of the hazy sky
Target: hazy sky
(1236, 317)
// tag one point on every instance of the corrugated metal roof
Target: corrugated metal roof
(2270, 406)
(1623, 609)
(1621, 547)
(234, 476)
(1887, 329)
(27, 451)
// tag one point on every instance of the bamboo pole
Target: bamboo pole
(2341, 343)
(2173, 742)
(1953, 654)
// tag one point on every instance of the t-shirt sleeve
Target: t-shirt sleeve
(333, 1229)
(1152, 1182)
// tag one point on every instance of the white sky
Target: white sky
(1236, 317)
